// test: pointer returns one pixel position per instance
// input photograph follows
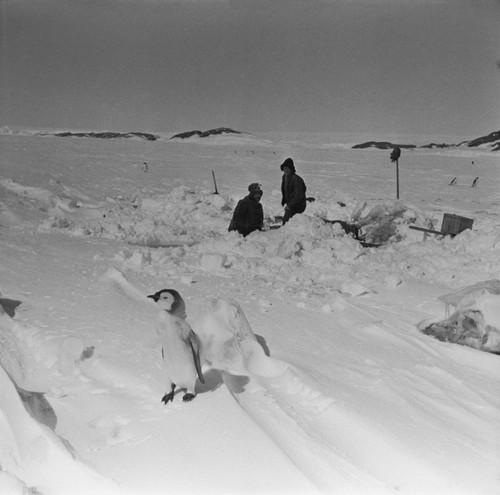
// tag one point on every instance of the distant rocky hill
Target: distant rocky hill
(491, 141)
(494, 138)
(108, 135)
(382, 145)
(203, 134)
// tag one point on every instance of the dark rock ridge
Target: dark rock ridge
(493, 138)
(109, 135)
(202, 134)
(436, 145)
(381, 145)
(490, 138)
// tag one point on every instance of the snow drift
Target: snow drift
(317, 376)
(476, 319)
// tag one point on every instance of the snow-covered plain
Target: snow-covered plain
(321, 383)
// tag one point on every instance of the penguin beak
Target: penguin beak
(154, 297)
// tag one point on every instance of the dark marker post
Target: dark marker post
(215, 183)
(395, 154)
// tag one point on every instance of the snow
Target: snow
(317, 377)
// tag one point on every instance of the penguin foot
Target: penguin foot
(188, 397)
(167, 397)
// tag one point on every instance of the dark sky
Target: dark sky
(405, 66)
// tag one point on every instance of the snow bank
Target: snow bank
(35, 460)
(476, 319)
(229, 344)
(188, 227)
(335, 389)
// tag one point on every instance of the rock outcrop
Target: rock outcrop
(492, 141)
(203, 134)
(490, 138)
(382, 145)
(108, 135)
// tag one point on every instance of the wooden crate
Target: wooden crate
(454, 224)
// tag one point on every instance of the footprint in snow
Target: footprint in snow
(112, 428)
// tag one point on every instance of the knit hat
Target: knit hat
(288, 163)
(255, 187)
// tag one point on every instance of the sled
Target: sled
(353, 230)
(349, 228)
(452, 225)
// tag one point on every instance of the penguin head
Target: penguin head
(170, 301)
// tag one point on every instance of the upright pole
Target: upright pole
(215, 183)
(395, 154)
(397, 179)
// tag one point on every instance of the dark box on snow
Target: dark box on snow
(454, 224)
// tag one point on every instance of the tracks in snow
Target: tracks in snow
(304, 424)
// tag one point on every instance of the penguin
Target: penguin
(180, 345)
(474, 182)
(453, 182)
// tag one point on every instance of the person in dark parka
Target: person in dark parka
(293, 191)
(248, 215)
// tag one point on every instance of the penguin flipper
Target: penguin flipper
(195, 349)
(194, 341)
